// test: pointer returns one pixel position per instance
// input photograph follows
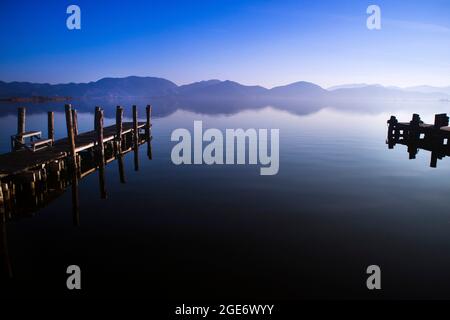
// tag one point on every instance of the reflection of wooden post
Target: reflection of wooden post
(119, 117)
(149, 147)
(75, 200)
(4, 254)
(101, 177)
(75, 122)
(70, 134)
(51, 126)
(121, 168)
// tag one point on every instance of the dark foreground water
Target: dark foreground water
(341, 202)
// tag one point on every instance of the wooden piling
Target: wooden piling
(148, 111)
(97, 109)
(70, 134)
(75, 122)
(21, 120)
(100, 145)
(119, 121)
(2, 201)
(51, 126)
(135, 138)
(135, 123)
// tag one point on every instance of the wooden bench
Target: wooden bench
(36, 143)
(40, 144)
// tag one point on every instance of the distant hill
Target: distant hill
(106, 87)
(429, 89)
(349, 86)
(299, 90)
(220, 89)
(378, 92)
(151, 87)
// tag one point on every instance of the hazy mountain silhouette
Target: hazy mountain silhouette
(349, 86)
(151, 87)
(379, 92)
(220, 89)
(300, 90)
(429, 89)
(106, 87)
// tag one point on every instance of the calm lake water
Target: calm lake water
(341, 202)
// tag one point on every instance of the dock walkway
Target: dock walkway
(22, 160)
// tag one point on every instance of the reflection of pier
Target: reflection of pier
(418, 135)
(36, 178)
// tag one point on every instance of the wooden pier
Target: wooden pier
(419, 135)
(32, 177)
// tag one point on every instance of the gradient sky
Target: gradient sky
(253, 42)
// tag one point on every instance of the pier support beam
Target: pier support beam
(119, 119)
(135, 139)
(51, 126)
(100, 145)
(70, 135)
(148, 128)
(148, 111)
(97, 109)
(21, 122)
(75, 122)
(101, 152)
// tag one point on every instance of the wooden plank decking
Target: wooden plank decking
(22, 160)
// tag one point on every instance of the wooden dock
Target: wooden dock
(419, 135)
(30, 178)
(17, 162)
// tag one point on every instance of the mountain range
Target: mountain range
(152, 87)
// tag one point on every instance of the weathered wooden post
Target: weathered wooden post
(148, 131)
(2, 202)
(97, 109)
(70, 135)
(393, 132)
(135, 123)
(135, 139)
(100, 145)
(21, 120)
(51, 125)
(100, 151)
(75, 122)
(119, 125)
(148, 124)
(21, 123)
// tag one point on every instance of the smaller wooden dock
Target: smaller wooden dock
(419, 135)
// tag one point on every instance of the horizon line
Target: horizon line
(363, 84)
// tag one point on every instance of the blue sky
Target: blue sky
(253, 42)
